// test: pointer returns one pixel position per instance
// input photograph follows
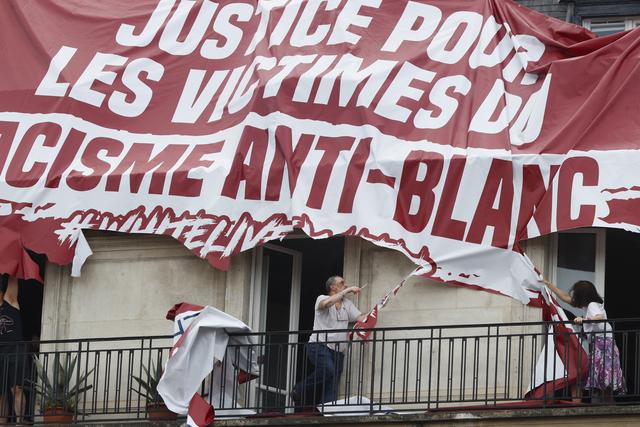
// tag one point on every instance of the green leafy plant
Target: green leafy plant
(58, 391)
(148, 388)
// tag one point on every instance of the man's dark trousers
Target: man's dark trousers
(326, 375)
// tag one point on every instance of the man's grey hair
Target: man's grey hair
(330, 281)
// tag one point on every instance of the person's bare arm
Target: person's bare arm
(328, 302)
(579, 320)
(562, 294)
(11, 296)
(361, 318)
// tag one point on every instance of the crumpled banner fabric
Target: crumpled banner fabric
(447, 130)
(204, 342)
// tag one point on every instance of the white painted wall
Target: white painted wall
(129, 283)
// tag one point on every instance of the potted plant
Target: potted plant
(148, 388)
(61, 392)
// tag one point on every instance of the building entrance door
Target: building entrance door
(278, 300)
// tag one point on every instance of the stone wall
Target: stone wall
(130, 282)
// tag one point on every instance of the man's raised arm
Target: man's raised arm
(337, 297)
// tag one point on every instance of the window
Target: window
(578, 255)
(606, 26)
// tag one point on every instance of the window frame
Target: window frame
(630, 22)
(601, 247)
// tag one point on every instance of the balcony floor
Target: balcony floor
(615, 415)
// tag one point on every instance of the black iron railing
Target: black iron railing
(446, 367)
(88, 379)
(395, 370)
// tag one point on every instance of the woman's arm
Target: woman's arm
(11, 296)
(579, 320)
(562, 294)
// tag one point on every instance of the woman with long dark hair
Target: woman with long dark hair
(605, 374)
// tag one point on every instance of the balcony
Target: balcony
(410, 372)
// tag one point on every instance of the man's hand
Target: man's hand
(352, 290)
(578, 320)
(328, 302)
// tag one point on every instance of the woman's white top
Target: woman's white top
(594, 309)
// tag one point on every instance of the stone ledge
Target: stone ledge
(442, 417)
(618, 415)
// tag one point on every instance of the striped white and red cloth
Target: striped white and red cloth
(361, 329)
(562, 360)
(201, 339)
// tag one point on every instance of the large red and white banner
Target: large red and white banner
(449, 130)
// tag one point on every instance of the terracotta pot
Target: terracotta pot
(57, 416)
(159, 411)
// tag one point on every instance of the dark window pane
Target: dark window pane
(278, 309)
(577, 251)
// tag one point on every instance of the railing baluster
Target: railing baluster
(507, 370)
(520, 384)
(347, 370)
(438, 369)
(463, 365)
(486, 382)
(373, 372)
(130, 381)
(476, 368)
(430, 368)
(118, 391)
(383, 342)
(450, 356)
(78, 364)
(107, 380)
(405, 370)
(545, 369)
(418, 383)
(394, 363)
(534, 346)
(495, 374)
(636, 382)
(96, 375)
